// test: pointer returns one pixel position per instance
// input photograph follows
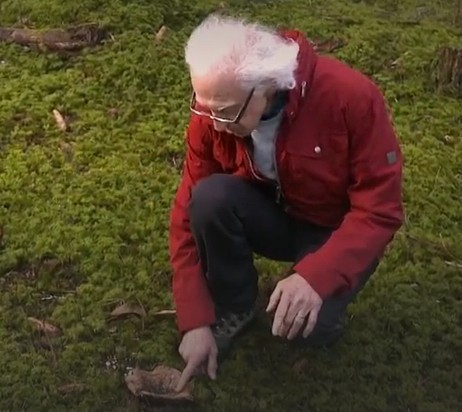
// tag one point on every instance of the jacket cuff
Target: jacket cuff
(189, 318)
(323, 283)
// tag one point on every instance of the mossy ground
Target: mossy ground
(99, 204)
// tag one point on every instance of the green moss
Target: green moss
(100, 207)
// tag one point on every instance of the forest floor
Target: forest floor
(84, 214)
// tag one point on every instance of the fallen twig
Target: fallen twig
(165, 312)
(53, 354)
(454, 264)
(72, 388)
(343, 20)
(69, 39)
(438, 248)
(329, 45)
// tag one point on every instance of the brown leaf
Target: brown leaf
(49, 265)
(300, 365)
(45, 327)
(113, 112)
(160, 383)
(60, 120)
(161, 33)
(66, 148)
(128, 309)
(1, 234)
(31, 272)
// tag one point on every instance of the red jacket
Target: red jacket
(339, 164)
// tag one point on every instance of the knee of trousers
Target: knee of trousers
(325, 334)
(212, 196)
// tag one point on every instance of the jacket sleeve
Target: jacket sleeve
(375, 193)
(190, 293)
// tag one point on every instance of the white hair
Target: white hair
(256, 55)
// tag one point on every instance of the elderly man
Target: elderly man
(290, 155)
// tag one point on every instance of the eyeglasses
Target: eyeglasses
(219, 118)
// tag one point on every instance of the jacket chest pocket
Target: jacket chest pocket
(318, 172)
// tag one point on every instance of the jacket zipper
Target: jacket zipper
(279, 194)
(278, 182)
(255, 174)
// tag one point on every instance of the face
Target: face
(221, 96)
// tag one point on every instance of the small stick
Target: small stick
(165, 312)
(453, 264)
(55, 359)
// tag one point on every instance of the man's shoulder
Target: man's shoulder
(342, 83)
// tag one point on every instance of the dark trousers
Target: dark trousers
(231, 219)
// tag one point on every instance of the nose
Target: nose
(219, 126)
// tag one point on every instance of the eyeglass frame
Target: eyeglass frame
(218, 118)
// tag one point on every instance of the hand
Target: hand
(199, 351)
(296, 300)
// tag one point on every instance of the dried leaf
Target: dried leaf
(72, 388)
(161, 33)
(160, 383)
(49, 265)
(300, 365)
(60, 120)
(128, 309)
(45, 327)
(31, 272)
(66, 148)
(113, 112)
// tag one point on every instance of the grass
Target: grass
(93, 204)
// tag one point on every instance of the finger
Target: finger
(280, 314)
(297, 306)
(275, 296)
(212, 365)
(312, 319)
(288, 320)
(297, 315)
(188, 371)
(297, 323)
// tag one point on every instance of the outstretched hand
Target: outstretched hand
(199, 351)
(297, 305)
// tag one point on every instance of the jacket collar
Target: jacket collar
(307, 59)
